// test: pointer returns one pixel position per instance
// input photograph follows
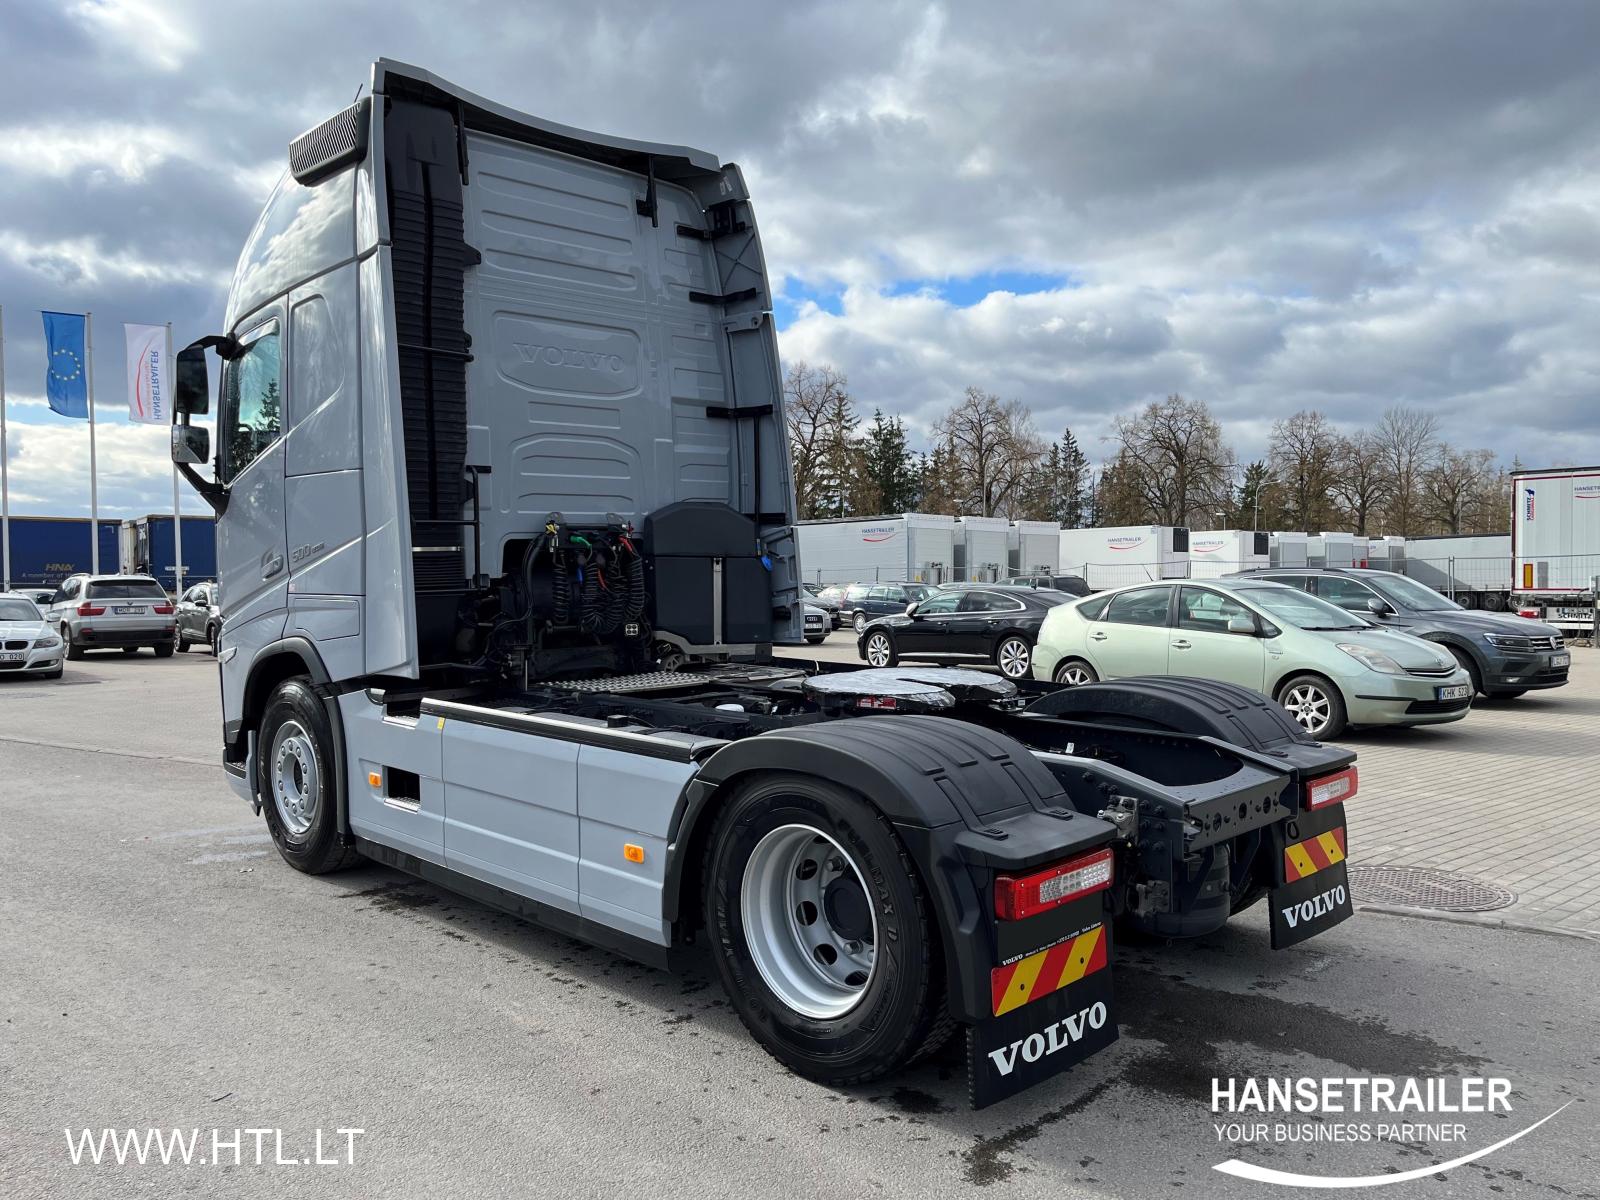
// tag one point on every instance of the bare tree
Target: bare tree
(992, 449)
(1174, 458)
(821, 418)
(1302, 455)
(1409, 442)
(1453, 488)
(1361, 484)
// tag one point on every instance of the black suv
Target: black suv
(863, 601)
(1505, 655)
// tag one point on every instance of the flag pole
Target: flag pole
(177, 513)
(5, 479)
(94, 492)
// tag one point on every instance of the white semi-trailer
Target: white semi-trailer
(505, 540)
(1034, 547)
(1113, 557)
(1214, 553)
(981, 553)
(1555, 544)
(898, 548)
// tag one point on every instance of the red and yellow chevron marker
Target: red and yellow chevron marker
(1049, 970)
(1313, 854)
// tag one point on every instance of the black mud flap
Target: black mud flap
(1042, 1037)
(1311, 892)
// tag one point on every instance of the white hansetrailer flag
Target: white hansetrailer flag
(149, 374)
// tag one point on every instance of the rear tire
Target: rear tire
(1074, 672)
(1014, 656)
(880, 650)
(859, 621)
(828, 1012)
(295, 778)
(164, 649)
(1315, 704)
(129, 651)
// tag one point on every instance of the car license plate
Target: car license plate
(11, 655)
(1561, 660)
(1456, 691)
(128, 610)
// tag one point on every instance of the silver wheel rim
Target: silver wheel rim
(878, 650)
(1074, 675)
(296, 788)
(1309, 705)
(800, 901)
(861, 622)
(1013, 658)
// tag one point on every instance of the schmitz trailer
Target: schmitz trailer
(1555, 545)
(504, 538)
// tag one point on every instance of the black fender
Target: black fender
(968, 802)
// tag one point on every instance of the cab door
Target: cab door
(1203, 646)
(1132, 636)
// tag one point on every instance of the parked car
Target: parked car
(198, 617)
(863, 601)
(1505, 655)
(963, 621)
(28, 646)
(40, 596)
(827, 599)
(1329, 668)
(1073, 585)
(94, 612)
(818, 624)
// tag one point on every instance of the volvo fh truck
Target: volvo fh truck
(508, 570)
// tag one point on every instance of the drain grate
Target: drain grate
(1422, 887)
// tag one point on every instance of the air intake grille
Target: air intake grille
(336, 143)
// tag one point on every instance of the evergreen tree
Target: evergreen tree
(890, 468)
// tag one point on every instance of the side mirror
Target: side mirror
(191, 444)
(1240, 623)
(1378, 607)
(193, 396)
(911, 610)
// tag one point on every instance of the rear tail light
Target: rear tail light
(162, 610)
(1331, 789)
(90, 610)
(1019, 896)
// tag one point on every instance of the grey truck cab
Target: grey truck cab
(505, 551)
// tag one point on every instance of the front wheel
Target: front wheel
(1074, 672)
(880, 650)
(1014, 657)
(860, 621)
(213, 635)
(183, 643)
(296, 781)
(1470, 666)
(74, 651)
(822, 932)
(1315, 703)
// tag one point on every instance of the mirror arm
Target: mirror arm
(212, 492)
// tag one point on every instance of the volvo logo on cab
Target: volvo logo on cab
(1053, 1038)
(567, 356)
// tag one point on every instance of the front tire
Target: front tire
(1315, 703)
(1470, 666)
(74, 651)
(822, 932)
(295, 777)
(1074, 672)
(213, 635)
(1014, 656)
(880, 650)
(183, 643)
(859, 621)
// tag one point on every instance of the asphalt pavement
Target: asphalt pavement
(160, 966)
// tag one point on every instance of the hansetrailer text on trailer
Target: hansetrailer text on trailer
(507, 559)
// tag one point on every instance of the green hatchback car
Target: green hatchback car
(1328, 667)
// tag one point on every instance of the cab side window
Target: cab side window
(1146, 606)
(252, 402)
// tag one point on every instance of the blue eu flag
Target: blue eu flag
(66, 380)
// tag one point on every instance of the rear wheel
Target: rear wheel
(1315, 703)
(296, 782)
(860, 620)
(880, 650)
(822, 932)
(1014, 656)
(1073, 672)
(163, 649)
(129, 651)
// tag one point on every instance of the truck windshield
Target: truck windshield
(1408, 593)
(19, 610)
(1303, 611)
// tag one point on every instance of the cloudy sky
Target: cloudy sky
(1269, 206)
